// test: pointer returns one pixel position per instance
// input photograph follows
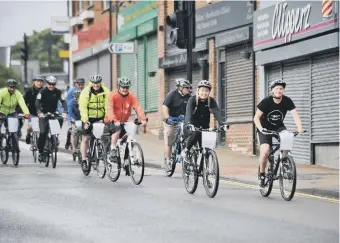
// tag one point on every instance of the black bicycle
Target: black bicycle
(96, 152)
(286, 164)
(52, 143)
(35, 136)
(177, 147)
(203, 162)
(9, 140)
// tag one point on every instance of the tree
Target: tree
(8, 73)
(38, 45)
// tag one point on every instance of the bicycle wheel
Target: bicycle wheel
(288, 172)
(136, 162)
(54, 150)
(3, 149)
(47, 151)
(265, 192)
(15, 149)
(190, 170)
(101, 160)
(113, 166)
(34, 146)
(170, 168)
(211, 169)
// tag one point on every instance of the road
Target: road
(39, 204)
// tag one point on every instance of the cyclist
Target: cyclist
(10, 97)
(47, 101)
(79, 85)
(30, 98)
(75, 117)
(119, 107)
(198, 114)
(92, 106)
(174, 106)
(271, 112)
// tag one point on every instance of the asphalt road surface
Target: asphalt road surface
(39, 204)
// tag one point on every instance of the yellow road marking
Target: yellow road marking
(298, 194)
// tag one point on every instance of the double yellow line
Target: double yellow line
(298, 194)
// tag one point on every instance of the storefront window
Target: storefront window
(106, 4)
(80, 5)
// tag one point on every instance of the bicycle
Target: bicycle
(9, 140)
(177, 147)
(51, 144)
(96, 151)
(35, 135)
(126, 151)
(200, 165)
(77, 154)
(286, 164)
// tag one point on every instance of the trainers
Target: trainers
(262, 178)
(41, 157)
(28, 139)
(113, 154)
(84, 166)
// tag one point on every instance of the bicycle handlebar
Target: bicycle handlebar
(270, 132)
(20, 116)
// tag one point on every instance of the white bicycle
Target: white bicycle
(129, 152)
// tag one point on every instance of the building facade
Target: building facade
(303, 49)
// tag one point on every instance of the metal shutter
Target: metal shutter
(297, 76)
(325, 98)
(239, 91)
(172, 75)
(273, 72)
(141, 71)
(84, 69)
(152, 86)
(104, 68)
(127, 69)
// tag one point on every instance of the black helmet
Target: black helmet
(277, 82)
(96, 78)
(80, 81)
(124, 82)
(204, 83)
(51, 80)
(12, 83)
(181, 82)
(38, 78)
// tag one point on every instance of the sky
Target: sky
(17, 17)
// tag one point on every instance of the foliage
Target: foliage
(7, 73)
(38, 44)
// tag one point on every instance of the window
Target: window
(90, 2)
(106, 4)
(80, 5)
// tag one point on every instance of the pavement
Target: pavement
(240, 168)
(39, 205)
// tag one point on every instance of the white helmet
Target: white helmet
(181, 82)
(51, 80)
(124, 82)
(96, 78)
(204, 83)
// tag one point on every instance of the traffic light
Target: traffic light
(179, 24)
(24, 50)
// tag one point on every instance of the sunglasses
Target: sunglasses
(51, 84)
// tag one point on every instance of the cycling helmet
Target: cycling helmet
(80, 81)
(96, 78)
(277, 82)
(181, 82)
(38, 78)
(124, 82)
(204, 83)
(51, 80)
(76, 93)
(12, 83)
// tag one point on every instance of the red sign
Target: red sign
(95, 33)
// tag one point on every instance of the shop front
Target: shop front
(306, 56)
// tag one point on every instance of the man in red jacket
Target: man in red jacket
(119, 107)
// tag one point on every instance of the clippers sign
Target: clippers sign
(289, 21)
(122, 48)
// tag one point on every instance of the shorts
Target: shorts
(75, 131)
(88, 131)
(113, 129)
(170, 133)
(268, 139)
